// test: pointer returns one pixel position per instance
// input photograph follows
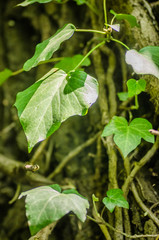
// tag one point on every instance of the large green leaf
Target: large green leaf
(28, 2)
(115, 198)
(130, 18)
(135, 87)
(45, 205)
(45, 50)
(128, 137)
(69, 63)
(44, 105)
(142, 63)
(151, 52)
(4, 75)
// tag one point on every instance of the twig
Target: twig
(138, 166)
(154, 132)
(143, 206)
(101, 221)
(72, 154)
(109, 80)
(39, 151)
(16, 195)
(15, 170)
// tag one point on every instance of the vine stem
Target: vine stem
(83, 59)
(115, 40)
(90, 30)
(105, 11)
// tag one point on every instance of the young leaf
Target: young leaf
(45, 205)
(123, 96)
(28, 2)
(4, 75)
(142, 63)
(45, 50)
(128, 137)
(135, 87)
(69, 63)
(115, 198)
(130, 18)
(44, 105)
(80, 2)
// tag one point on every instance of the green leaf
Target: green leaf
(130, 18)
(135, 87)
(75, 80)
(69, 63)
(56, 187)
(115, 198)
(44, 106)
(80, 2)
(142, 63)
(4, 75)
(128, 137)
(151, 52)
(45, 50)
(123, 96)
(45, 205)
(28, 2)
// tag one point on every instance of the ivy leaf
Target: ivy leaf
(44, 106)
(130, 18)
(142, 63)
(123, 96)
(69, 63)
(45, 50)
(28, 2)
(151, 52)
(128, 137)
(75, 80)
(135, 87)
(45, 205)
(80, 2)
(115, 198)
(4, 75)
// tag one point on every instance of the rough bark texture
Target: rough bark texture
(93, 166)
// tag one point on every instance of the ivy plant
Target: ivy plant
(67, 90)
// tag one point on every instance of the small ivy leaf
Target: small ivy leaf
(4, 75)
(115, 27)
(44, 106)
(130, 18)
(141, 63)
(128, 137)
(80, 2)
(151, 52)
(28, 2)
(45, 50)
(76, 80)
(94, 198)
(45, 205)
(115, 198)
(69, 63)
(123, 96)
(135, 87)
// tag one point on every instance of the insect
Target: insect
(30, 167)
